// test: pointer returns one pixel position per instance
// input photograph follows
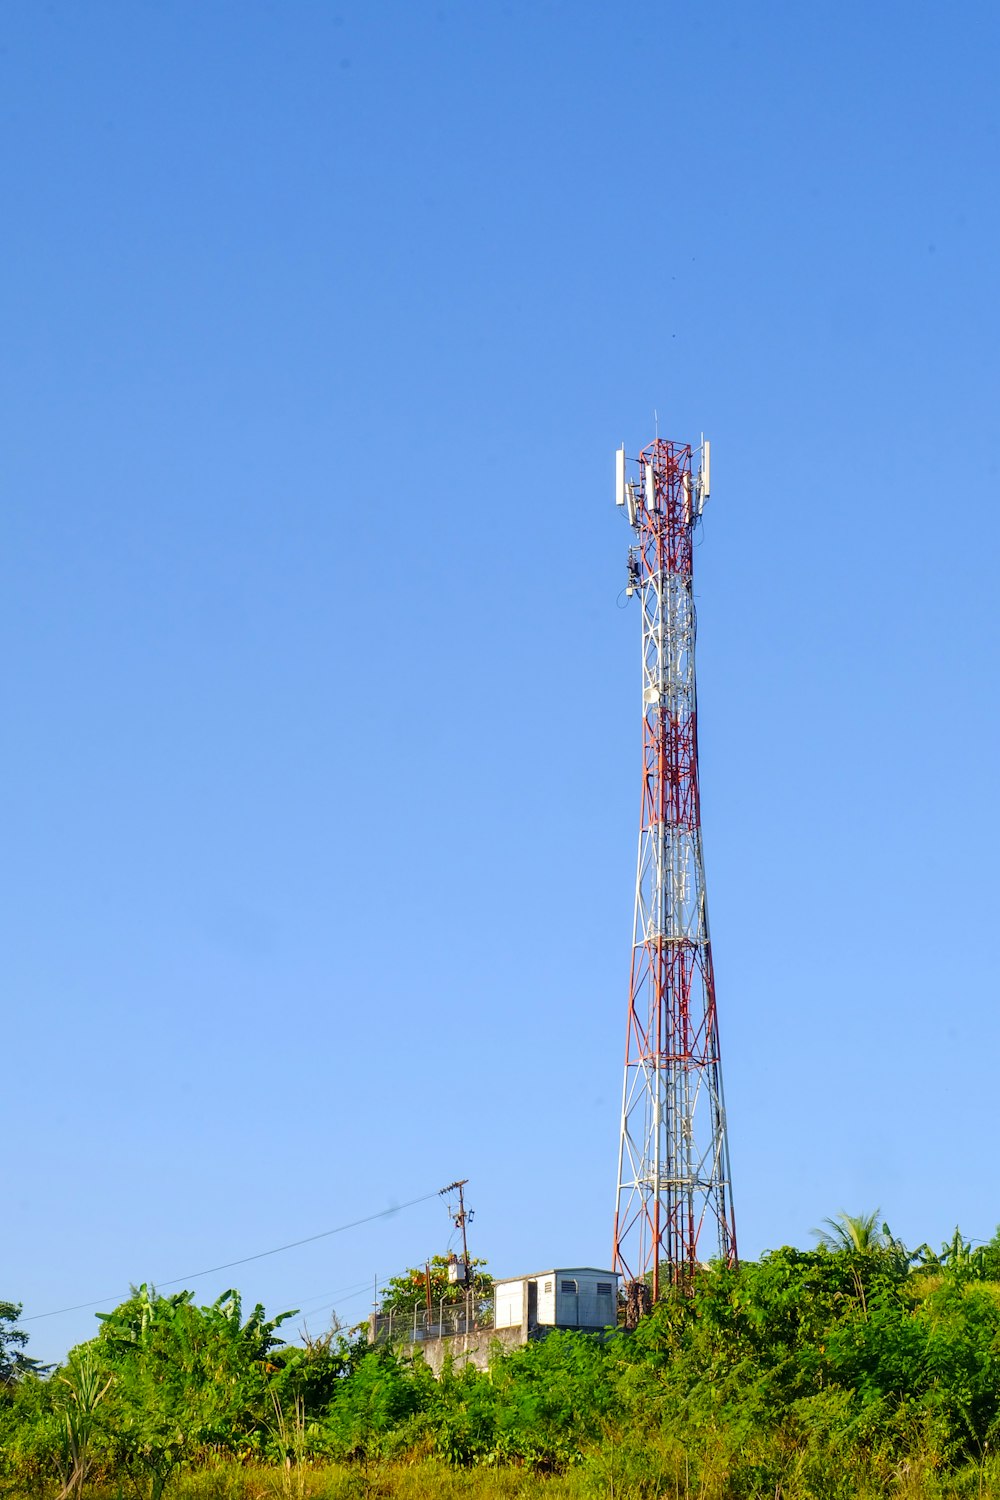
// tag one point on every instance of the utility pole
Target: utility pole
(460, 1220)
(674, 1202)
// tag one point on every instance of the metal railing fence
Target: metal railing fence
(445, 1318)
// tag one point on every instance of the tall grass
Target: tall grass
(617, 1469)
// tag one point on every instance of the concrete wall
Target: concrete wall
(466, 1348)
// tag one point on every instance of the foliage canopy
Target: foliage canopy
(834, 1372)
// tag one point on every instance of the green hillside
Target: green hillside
(859, 1368)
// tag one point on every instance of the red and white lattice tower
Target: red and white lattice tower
(674, 1206)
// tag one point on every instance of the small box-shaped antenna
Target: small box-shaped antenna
(620, 476)
(649, 489)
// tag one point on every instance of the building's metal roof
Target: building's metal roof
(555, 1271)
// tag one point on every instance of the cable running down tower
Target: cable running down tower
(674, 1205)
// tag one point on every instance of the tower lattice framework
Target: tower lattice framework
(674, 1205)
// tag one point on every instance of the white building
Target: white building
(578, 1297)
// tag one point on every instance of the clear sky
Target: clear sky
(321, 722)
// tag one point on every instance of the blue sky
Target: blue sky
(321, 722)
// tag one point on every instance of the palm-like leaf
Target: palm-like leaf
(857, 1232)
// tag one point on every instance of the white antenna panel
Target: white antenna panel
(630, 502)
(706, 470)
(620, 476)
(649, 495)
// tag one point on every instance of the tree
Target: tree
(13, 1361)
(875, 1256)
(186, 1379)
(402, 1294)
(990, 1262)
(370, 1413)
(859, 1232)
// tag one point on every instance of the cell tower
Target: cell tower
(674, 1205)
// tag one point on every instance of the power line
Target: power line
(244, 1260)
(320, 1301)
(313, 1305)
(322, 1298)
(319, 1304)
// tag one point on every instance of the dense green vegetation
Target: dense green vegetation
(857, 1368)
